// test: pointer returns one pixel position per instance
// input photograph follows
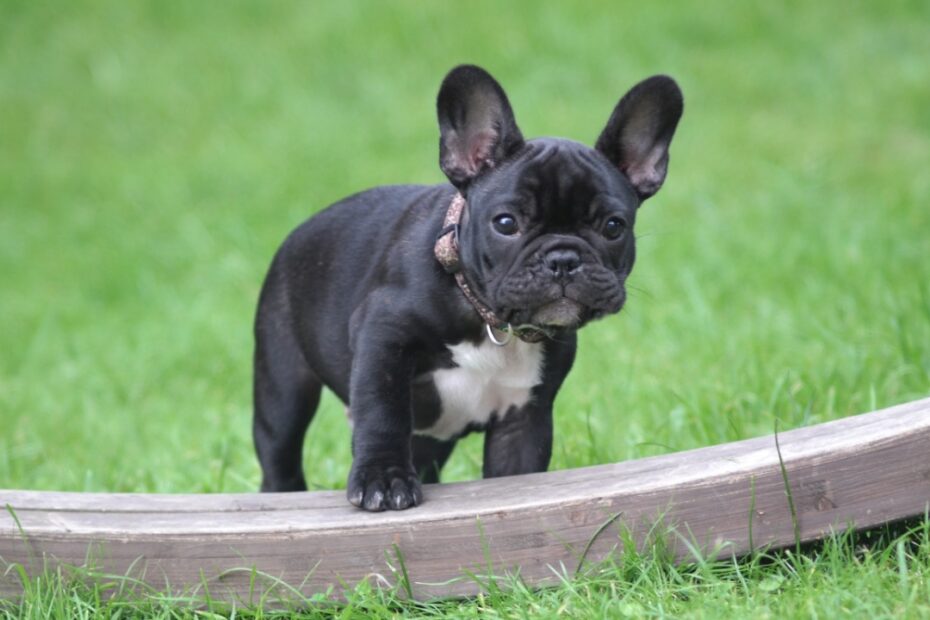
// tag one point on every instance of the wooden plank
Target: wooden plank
(863, 471)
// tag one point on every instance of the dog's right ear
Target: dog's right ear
(477, 129)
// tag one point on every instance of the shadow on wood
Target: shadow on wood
(862, 471)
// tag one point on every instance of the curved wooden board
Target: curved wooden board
(859, 471)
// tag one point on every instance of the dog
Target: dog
(436, 311)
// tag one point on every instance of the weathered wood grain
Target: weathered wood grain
(859, 471)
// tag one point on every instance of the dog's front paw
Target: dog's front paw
(379, 487)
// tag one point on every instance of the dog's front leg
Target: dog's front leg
(520, 443)
(382, 475)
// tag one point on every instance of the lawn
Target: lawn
(153, 155)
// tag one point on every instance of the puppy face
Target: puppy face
(547, 239)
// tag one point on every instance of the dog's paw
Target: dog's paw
(378, 487)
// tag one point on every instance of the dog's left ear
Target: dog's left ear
(639, 131)
(476, 124)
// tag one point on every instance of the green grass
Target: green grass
(153, 155)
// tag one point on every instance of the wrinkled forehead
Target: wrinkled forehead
(552, 171)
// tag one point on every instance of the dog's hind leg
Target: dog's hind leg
(286, 395)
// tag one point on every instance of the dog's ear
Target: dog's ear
(639, 131)
(476, 126)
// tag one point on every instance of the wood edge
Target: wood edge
(706, 463)
(900, 446)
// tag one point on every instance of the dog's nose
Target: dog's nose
(563, 262)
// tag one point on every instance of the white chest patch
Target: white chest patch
(489, 379)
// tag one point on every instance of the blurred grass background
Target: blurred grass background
(154, 154)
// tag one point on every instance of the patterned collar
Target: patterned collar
(446, 251)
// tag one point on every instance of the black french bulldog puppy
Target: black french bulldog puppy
(434, 311)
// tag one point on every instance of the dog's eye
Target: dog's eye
(614, 227)
(506, 224)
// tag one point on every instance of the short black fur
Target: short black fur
(354, 299)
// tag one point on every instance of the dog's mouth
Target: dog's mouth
(554, 316)
(563, 312)
(533, 298)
